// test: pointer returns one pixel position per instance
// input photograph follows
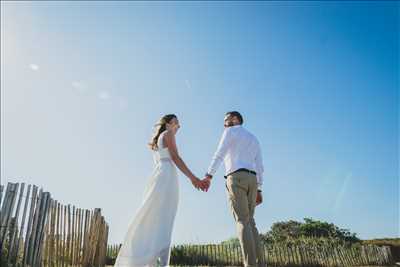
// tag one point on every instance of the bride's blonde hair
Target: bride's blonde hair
(160, 127)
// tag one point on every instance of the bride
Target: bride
(147, 242)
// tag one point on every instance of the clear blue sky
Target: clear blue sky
(83, 83)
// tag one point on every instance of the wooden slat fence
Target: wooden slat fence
(277, 255)
(36, 230)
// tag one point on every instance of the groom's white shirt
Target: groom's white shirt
(238, 148)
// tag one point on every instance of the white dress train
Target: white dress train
(148, 239)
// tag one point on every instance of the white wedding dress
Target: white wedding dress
(148, 239)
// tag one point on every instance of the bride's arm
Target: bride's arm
(171, 144)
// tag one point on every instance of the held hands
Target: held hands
(206, 182)
(201, 184)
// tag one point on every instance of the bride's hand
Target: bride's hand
(196, 182)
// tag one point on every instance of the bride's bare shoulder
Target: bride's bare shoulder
(168, 134)
(168, 138)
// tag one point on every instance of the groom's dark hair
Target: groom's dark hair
(235, 114)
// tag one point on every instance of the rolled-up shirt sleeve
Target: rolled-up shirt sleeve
(221, 151)
(259, 167)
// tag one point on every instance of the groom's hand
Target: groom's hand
(259, 198)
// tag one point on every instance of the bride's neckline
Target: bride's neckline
(162, 148)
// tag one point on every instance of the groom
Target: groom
(241, 153)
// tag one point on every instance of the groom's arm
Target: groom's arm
(259, 167)
(222, 149)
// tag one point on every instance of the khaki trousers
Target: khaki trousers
(242, 193)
